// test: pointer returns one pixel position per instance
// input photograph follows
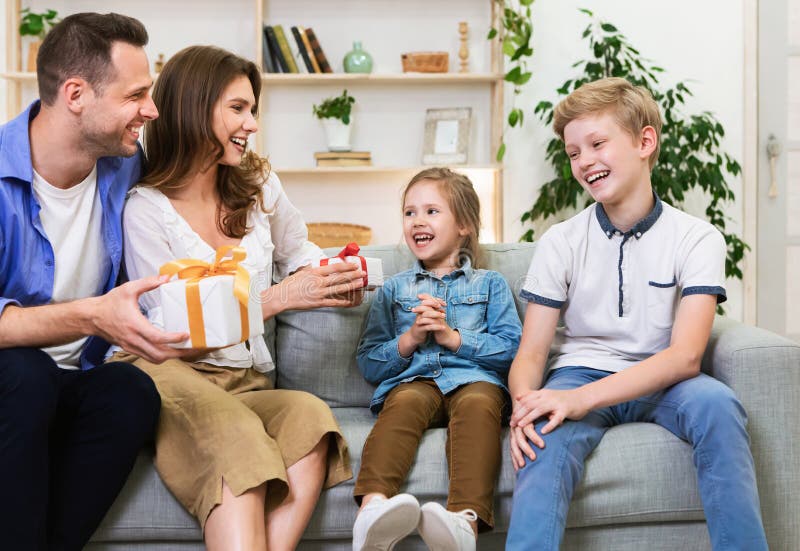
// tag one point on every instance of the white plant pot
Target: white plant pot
(338, 134)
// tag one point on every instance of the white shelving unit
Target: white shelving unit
(390, 109)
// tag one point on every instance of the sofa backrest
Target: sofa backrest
(315, 350)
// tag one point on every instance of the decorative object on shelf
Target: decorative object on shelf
(36, 25)
(336, 234)
(343, 158)
(335, 116)
(515, 31)
(463, 51)
(690, 158)
(159, 63)
(357, 60)
(447, 136)
(425, 62)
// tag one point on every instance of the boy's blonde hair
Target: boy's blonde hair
(466, 207)
(633, 108)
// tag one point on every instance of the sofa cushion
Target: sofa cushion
(315, 349)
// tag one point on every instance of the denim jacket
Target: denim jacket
(479, 304)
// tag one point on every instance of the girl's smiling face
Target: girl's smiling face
(430, 228)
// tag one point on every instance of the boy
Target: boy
(636, 282)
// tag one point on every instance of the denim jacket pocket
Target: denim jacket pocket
(469, 311)
(404, 317)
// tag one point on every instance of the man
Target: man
(70, 427)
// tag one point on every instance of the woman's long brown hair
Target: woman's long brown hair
(181, 139)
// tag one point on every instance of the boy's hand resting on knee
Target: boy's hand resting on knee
(556, 405)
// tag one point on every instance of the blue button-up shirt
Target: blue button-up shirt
(479, 304)
(27, 261)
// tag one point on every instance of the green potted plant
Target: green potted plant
(36, 25)
(334, 113)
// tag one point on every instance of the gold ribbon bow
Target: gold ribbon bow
(195, 270)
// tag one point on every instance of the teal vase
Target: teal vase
(357, 60)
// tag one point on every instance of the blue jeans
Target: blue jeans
(701, 411)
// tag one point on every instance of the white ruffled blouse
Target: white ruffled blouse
(277, 245)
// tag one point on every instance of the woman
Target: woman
(248, 461)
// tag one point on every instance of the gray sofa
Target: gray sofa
(639, 490)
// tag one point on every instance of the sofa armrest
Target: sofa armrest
(763, 369)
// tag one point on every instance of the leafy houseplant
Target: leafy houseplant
(337, 107)
(335, 116)
(690, 156)
(515, 30)
(36, 25)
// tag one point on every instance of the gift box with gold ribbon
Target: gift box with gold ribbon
(372, 267)
(212, 302)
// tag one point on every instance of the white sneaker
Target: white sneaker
(384, 522)
(442, 530)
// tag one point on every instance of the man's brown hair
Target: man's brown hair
(633, 107)
(80, 46)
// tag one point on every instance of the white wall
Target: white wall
(701, 42)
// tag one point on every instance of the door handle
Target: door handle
(773, 152)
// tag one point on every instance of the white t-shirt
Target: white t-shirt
(72, 220)
(276, 246)
(618, 292)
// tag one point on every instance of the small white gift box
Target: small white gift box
(372, 267)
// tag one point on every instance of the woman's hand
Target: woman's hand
(335, 285)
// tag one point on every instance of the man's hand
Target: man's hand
(556, 405)
(116, 318)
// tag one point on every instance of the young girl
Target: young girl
(248, 461)
(438, 343)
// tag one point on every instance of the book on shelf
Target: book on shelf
(343, 158)
(307, 44)
(342, 155)
(277, 56)
(343, 162)
(269, 62)
(301, 47)
(286, 51)
(317, 50)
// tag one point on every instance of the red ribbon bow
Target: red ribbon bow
(351, 249)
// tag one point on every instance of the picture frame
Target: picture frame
(447, 133)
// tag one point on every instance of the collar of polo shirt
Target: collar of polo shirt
(638, 229)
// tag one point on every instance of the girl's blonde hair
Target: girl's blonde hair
(464, 203)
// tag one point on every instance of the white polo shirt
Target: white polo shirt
(617, 291)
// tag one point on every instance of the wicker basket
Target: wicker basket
(425, 62)
(334, 234)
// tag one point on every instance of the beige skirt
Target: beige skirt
(219, 423)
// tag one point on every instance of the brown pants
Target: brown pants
(472, 414)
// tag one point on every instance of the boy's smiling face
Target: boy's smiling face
(607, 161)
